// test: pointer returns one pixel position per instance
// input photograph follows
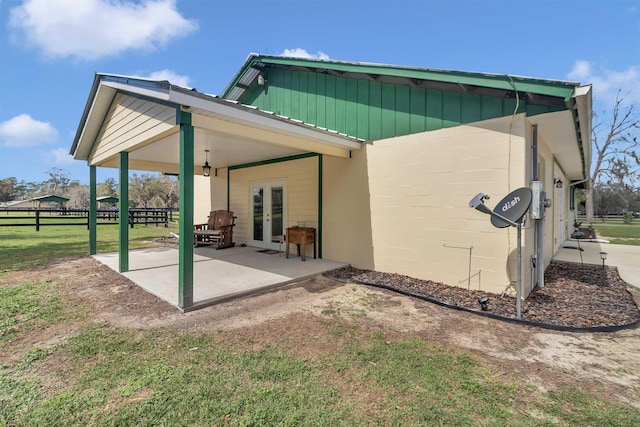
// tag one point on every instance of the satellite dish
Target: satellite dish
(513, 207)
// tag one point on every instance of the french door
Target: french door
(268, 213)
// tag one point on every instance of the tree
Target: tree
(78, 195)
(29, 189)
(171, 192)
(8, 189)
(615, 149)
(12, 189)
(58, 181)
(609, 200)
(108, 188)
(146, 191)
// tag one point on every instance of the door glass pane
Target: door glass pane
(258, 213)
(276, 213)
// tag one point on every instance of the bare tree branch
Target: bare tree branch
(616, 153)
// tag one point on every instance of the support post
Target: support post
(320, 206)
(185, 245)
(93, 223)
(123, 222)
(519, 274)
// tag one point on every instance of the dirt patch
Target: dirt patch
(303, 317)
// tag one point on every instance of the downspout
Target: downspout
(538, 223)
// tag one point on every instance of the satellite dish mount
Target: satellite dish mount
(509, 212)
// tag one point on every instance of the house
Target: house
(382, 160)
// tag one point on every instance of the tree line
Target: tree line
(613, 186)
(612, 199)
(145, 190)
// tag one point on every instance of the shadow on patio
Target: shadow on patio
(218, 275)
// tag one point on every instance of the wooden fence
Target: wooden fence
(33, 217)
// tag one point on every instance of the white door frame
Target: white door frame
(561, 224)
(267, 241)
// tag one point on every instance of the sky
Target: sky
(51, 49)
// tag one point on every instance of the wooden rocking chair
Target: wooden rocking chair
(218, 231)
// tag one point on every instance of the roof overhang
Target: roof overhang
(567, 133)
(233, 133)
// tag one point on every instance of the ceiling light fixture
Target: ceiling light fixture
(206, 169)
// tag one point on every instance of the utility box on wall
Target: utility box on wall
(537, 201)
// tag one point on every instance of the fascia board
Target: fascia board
(558, 88)
(583, 97)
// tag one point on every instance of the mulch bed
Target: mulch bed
(574, 295)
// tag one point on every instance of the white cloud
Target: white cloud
(302, 53)
(171, 76)
(606, 83)
(24, 131)
(91, 29)
(61, 156)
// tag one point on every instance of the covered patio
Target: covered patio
(220, 275)
(132, 123)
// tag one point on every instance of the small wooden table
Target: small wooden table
(302, 236)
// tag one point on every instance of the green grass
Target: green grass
(81, 372)
(105, 376)
(629, 231)
(622, 234)
(27, 307)
(21, 247)
(616, 231)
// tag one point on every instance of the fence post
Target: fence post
(166, 219)
(131, 219)
(37, 219)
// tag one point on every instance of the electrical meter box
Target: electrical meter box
(537, 203)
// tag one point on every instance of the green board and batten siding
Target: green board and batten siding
(373, 110)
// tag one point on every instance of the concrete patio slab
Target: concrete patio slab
(625, 257)
(219, 275)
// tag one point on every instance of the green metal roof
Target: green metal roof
(537, 91)
(50, 198)
(107, 199)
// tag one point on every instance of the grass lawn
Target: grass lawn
(112, 376)
(21, 247)
(617, 232)
(82, 372)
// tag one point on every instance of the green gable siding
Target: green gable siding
(372, 110)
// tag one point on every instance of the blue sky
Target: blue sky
(50, 50)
